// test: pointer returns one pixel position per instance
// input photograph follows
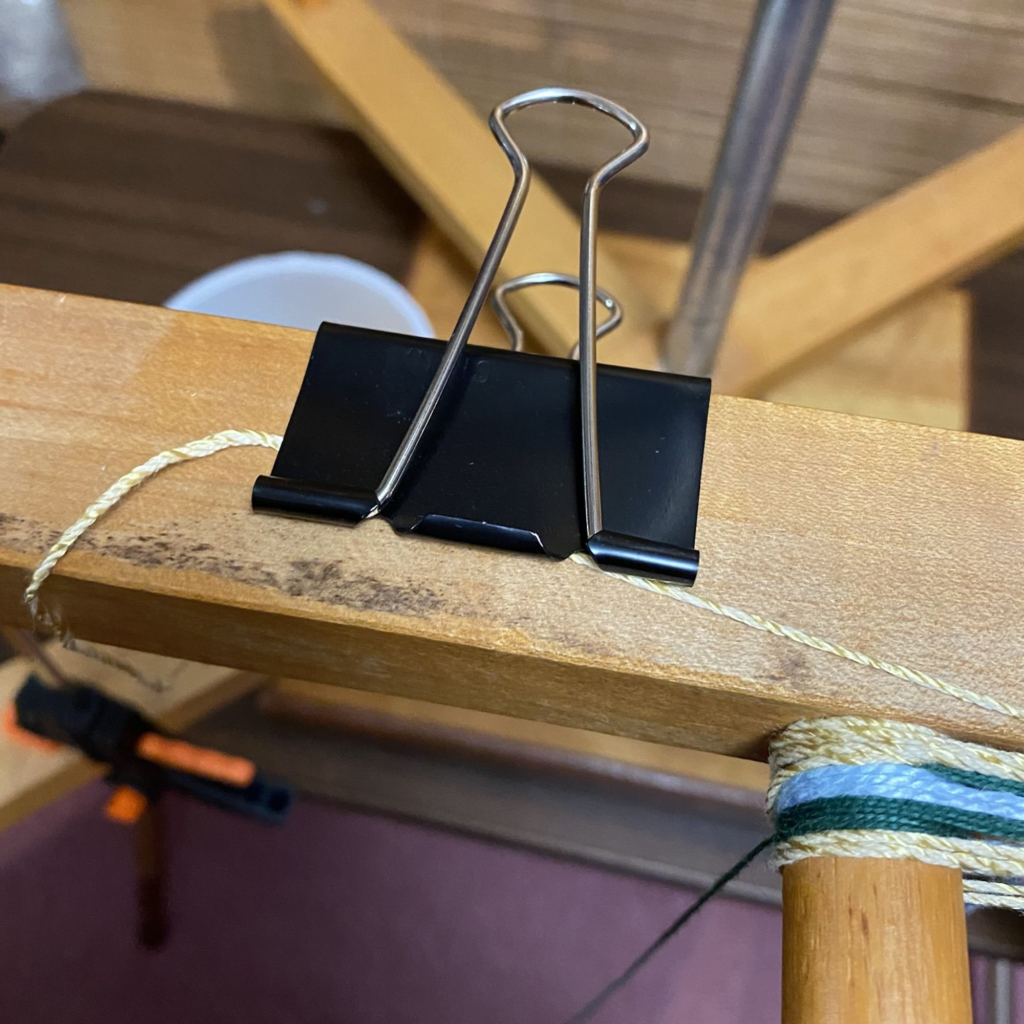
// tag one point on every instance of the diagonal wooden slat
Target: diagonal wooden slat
(911, 366)
(443, 153)
(807, 300)
(902, 541)
(938, 231)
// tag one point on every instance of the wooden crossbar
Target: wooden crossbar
(903, 541)
(443, 153)
(937, 231)
(799, 305)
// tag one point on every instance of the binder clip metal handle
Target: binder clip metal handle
(489, 269)
(614, 551)
(509, 419)
(514, 330)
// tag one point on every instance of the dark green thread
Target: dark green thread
(712, 890)
(886, 814)
(976, 780)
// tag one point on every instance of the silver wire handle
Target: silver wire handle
(593, 519)
(513, 328)
(489, 268)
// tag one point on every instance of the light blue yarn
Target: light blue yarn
(897, 782)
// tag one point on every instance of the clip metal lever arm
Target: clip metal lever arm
(466, 470)
(612, 551)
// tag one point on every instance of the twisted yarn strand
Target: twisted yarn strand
(910, 675)
(104, 503)
(850, 739)
(117, 490)
(950, 803)
(974, 856)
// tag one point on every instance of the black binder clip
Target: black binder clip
(500, 448)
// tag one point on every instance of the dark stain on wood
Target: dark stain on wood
(793, 668)
(319, 580)
(25, 535)
(324, 581)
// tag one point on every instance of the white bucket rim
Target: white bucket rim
(243, 271)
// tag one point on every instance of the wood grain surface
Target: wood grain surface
(903, 541)
(938, 231)
(913, 365)
(868, 941)
(901, 88)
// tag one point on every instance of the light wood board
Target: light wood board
(30, 777)
(844, 278)
(911, 365)
(483, 734)
(873, 941)
(903, 541)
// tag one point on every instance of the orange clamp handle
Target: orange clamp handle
(187, 757)
(10, 727)
(125, 805)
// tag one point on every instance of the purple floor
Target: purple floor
(343, 916)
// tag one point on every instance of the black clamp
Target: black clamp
(501, 448)
(118, 735)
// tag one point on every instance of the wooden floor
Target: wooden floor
(129, 198)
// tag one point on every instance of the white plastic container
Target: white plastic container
(302, 289)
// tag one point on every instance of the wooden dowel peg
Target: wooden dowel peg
(151, 876)
(873, 941)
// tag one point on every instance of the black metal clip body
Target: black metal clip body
(522, 452)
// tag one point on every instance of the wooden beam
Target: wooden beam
(30, 777)
(937, 231)
(868, 941)
(439, 278)
(911, 365)
(480, 734)
(443, 153)
(899, 540)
